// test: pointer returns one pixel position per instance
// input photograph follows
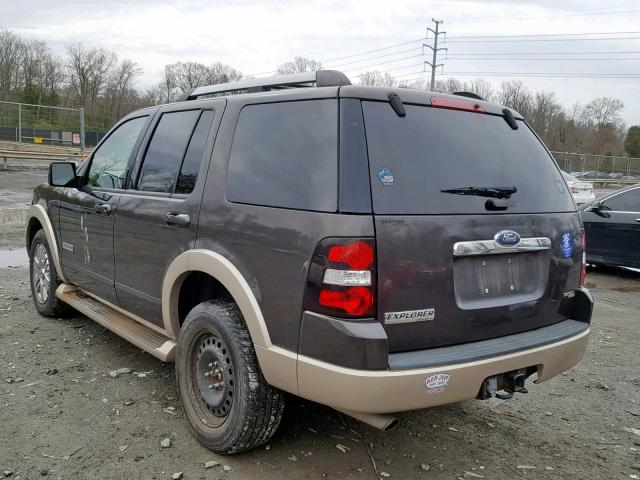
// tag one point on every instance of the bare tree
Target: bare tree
(419, 84)
(603, 110)
(168, 85)
(543, 111)
(377, 79)
(222, 73)
(11, 47)
(120, 85)
(299, 65)
(515, 95)
(88, 71)
(181, 77)
(449, 85)
(480, 87)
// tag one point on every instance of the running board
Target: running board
(119, 322)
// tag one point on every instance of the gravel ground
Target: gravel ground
(62, 414)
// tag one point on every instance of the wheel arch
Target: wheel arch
(37, 218)
(224, 272)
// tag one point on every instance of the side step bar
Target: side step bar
(119, 322)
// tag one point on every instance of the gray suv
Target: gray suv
(375, 250)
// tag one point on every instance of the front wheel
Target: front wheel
(229, 406)
(44, 278)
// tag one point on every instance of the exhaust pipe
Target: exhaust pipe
(376, 420)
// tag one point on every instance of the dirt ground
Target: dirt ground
(63, 416)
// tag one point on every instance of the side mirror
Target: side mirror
(596, 206)
(63, 174)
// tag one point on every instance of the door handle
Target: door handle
(181, 220)
(103, 208)
(637, 219)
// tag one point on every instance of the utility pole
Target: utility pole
(434, 50)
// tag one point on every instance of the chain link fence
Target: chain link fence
(601, 168)
(44, 124)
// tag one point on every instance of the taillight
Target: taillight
(356, 301)
(583, 269)
(456, 104)
(341, 278)
(358, 255)
(574, 190)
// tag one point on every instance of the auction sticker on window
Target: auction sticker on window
(437, 383)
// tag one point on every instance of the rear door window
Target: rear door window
(286, 155)
(195, 151)
(163, 159)
(412, 159)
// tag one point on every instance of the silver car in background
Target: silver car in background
(582, 192)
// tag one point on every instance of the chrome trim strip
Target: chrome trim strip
(488, 247)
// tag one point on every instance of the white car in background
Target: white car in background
(582, 191)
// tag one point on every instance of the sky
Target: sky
(509, 39)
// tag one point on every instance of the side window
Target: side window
(193, 157)
(109, 163)
(286, 155)
(166, 151)
(625, 202)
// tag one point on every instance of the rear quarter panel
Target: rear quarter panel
(271, 247)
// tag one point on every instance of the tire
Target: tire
(229, 406)
(44, 279)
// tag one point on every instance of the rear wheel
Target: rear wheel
(44, 278)
(229, 405)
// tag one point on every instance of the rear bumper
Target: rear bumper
(390, 391)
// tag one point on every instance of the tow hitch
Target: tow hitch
(503, 386)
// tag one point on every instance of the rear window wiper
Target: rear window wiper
(492, 192)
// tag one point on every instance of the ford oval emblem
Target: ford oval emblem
(507, 238)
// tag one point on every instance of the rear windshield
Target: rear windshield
(413, 158)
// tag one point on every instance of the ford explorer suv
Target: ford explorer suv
(376, 250)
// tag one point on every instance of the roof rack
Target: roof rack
(319, 78)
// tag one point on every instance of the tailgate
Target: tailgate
(444, 184)
(430, 295)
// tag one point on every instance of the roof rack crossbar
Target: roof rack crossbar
(319, 78)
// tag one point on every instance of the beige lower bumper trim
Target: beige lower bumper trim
(395, 391)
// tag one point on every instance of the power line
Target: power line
(535, 74)
(374, 57)
(542, 17)
(549, 35)
(553, 53)
(353, 55)
(469, 39)
(634, 59)
(546, 40)
(362, 67)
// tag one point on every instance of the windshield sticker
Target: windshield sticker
(437, 383)
(566, 245)
(560, 185)
(385, 175)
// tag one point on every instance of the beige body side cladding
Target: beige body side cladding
(363, 394)
(228, 275)
(376, 392)
(279, 366)
(38, 212)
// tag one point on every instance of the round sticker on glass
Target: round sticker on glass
(566, 245)
(385, 175)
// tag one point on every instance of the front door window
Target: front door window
(109, 164)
